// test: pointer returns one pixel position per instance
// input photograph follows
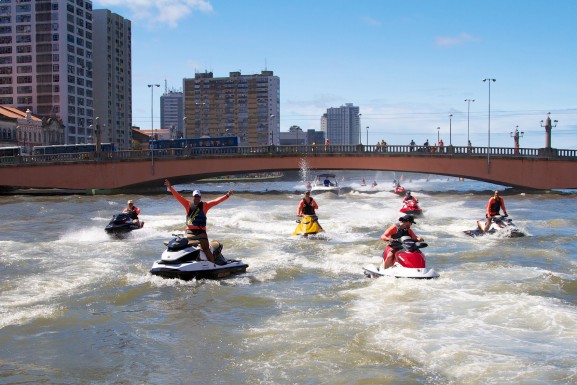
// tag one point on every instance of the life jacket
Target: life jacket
(495, 206)
(131, 213)
(196, 217)
(308, 208)
(401, 232)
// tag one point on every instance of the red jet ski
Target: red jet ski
(411, 207)
(409, 262)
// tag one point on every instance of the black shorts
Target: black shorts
(196, 232)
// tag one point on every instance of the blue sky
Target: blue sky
(406, 64)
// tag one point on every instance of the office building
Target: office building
(343, 125)
(247, 106)
(112, 77)
(172, 113)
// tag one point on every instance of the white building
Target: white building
(113, 77)
(172, 113)
(343, 125)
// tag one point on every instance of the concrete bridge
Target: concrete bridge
(540, 169)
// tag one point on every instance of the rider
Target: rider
(494, 206)
(307, 206)
(132, 211)
(409, 197)
(196, 217)
(396, 232)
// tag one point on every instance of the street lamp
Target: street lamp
(152, 107)
(438, 136)
(468, 113)
(360, 130)
(489, 80)
(271, 129)
(450, 129)
(548, 126)
(367, 135)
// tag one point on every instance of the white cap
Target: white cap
(196, 192)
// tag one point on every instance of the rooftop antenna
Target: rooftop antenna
(265, 64)
(165, 86)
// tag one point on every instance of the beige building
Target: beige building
(247, 106)
(23, 129)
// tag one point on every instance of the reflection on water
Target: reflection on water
(81, 307)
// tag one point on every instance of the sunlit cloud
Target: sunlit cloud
(371, 21)
(448, 41)
(157, 12)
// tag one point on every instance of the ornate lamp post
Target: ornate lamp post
(367, 135)
(438, 136)
(272, 127)
(516, 135)
(548, 126)
(489, 80)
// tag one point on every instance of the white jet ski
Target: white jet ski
(184, 259)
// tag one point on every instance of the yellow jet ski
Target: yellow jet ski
(308, 225)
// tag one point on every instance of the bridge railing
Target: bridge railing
(300, 150)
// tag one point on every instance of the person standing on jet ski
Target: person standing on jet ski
(494, 206)
(196, 216)
(307, 206)
(409, 197)
(132, 211)
(395, 233)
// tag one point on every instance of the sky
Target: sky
(408, 65)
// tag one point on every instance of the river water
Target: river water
(79, 307)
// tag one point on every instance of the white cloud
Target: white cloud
(448, 41)
(165, 12)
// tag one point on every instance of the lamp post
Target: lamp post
(548, 126)
(360, 130)
(468, 114)
(151, 86)
(450, 129)
(271, 129)
(489, 80)
(367, 135)
(516, 135)
(438, 135)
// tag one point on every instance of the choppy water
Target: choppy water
(78, 307)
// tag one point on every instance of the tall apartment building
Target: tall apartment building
(112, 77)
(172, 113)
(343, 124)
(46, 61)
(247, 106)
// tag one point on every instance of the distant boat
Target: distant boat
(325, 183)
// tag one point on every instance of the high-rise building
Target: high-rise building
(172, 113)
(343, 125)
(46, 61)
(113, 77)
(247, 106)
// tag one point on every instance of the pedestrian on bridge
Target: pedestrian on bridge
(196, 217)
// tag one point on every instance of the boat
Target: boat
(308, 225)
(411, 207)
(501, 225)
(122, 223)
(409, 262)
(184, 259)
(325, 183)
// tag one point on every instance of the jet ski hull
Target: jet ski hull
(398, 271)
(198, 270)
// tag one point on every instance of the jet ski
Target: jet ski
(501, 225)
(184, 259)
(308, 225)
(399, 190)
(409, 262)
(411, 207)
(123, 223)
